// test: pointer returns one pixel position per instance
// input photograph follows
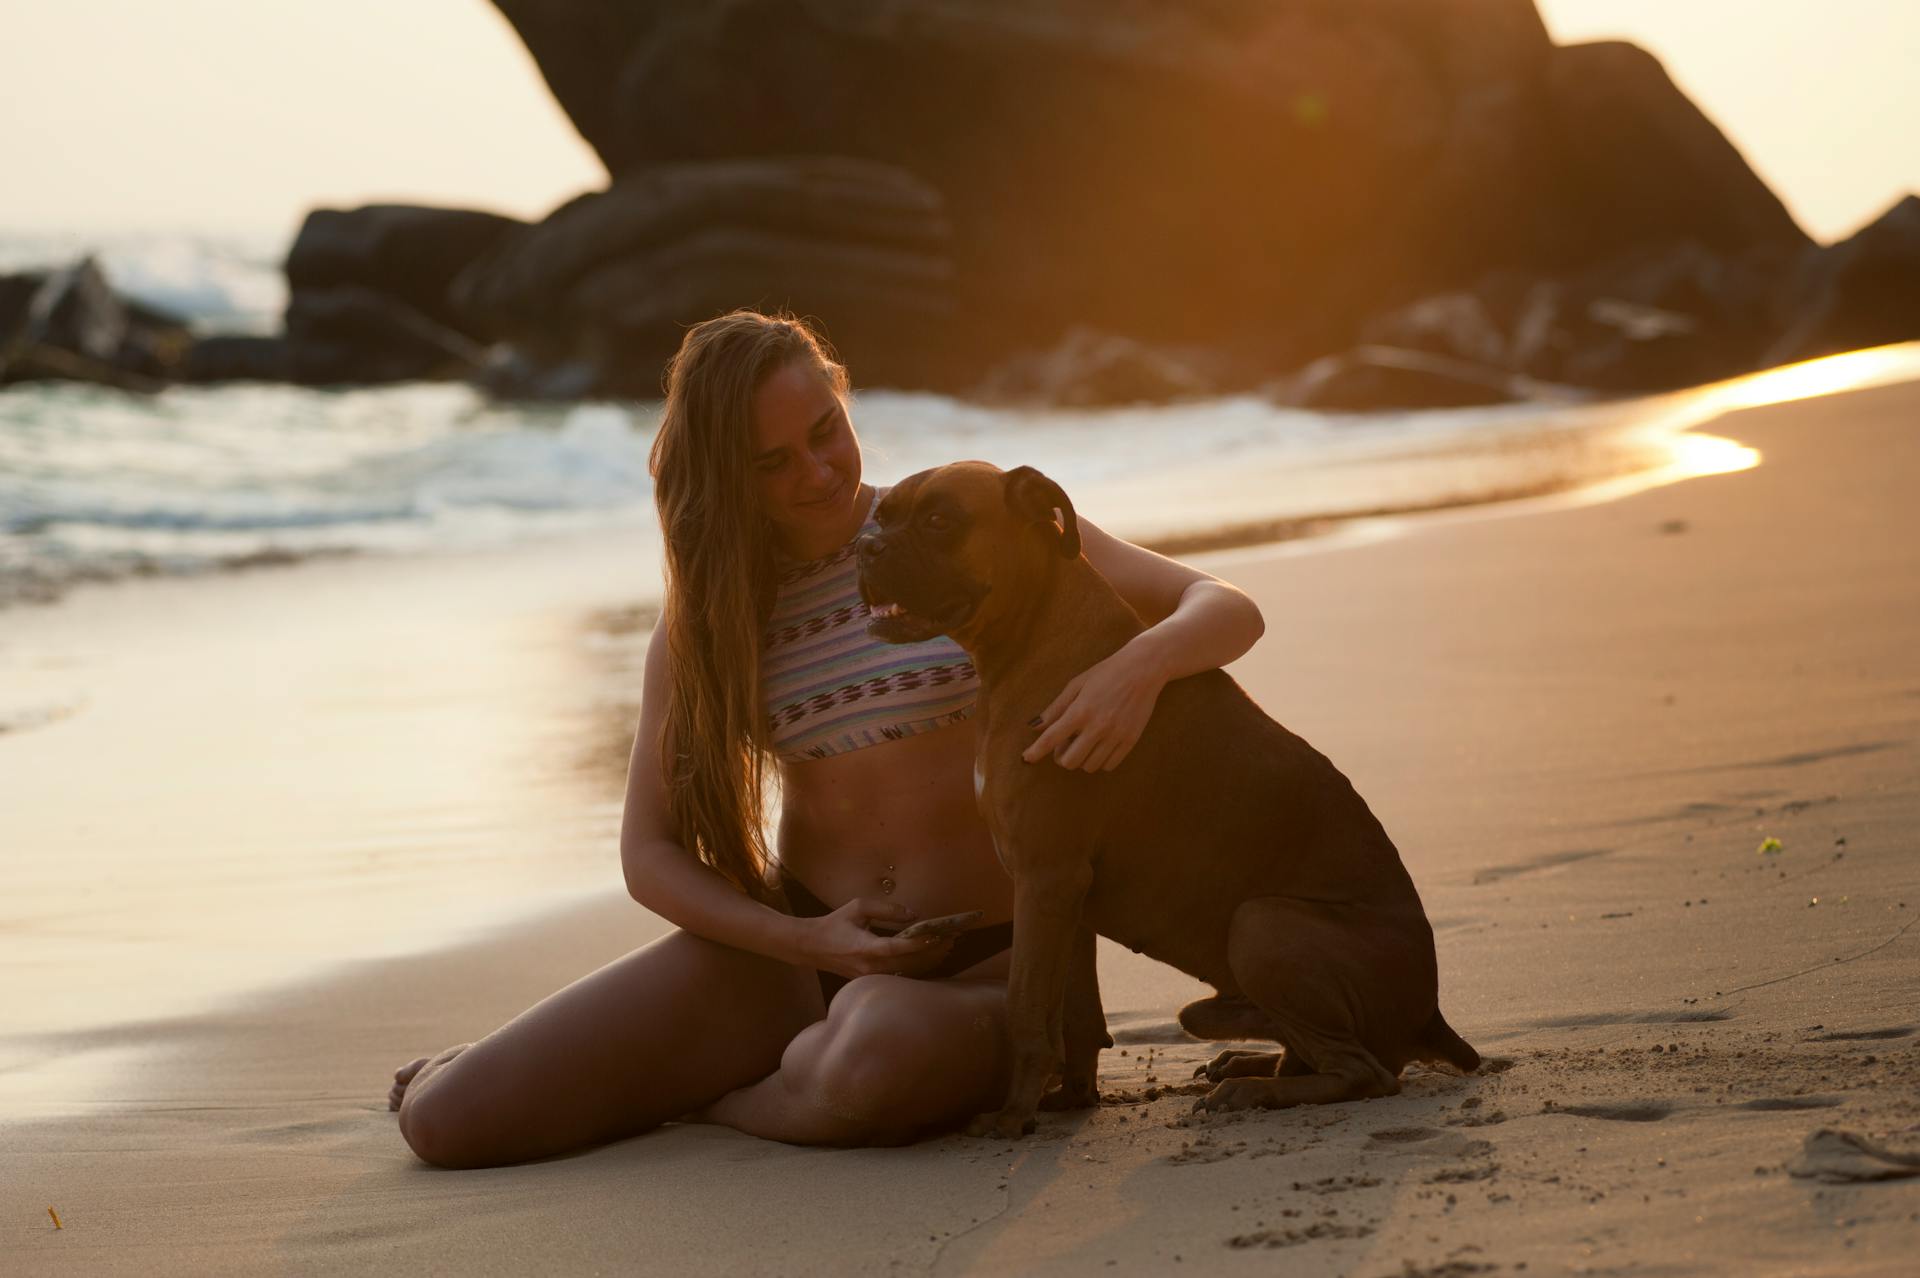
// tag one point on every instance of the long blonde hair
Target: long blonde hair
(715, 738)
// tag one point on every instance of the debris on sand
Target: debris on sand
(1841, 1158)
(1294, 1237)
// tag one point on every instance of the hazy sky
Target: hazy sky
(241, 114)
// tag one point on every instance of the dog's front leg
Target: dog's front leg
(1084, 1030)
(1046, 922)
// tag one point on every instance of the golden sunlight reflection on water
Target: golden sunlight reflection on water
(1665, 424)
(1368, 468)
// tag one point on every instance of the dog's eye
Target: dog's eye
(934, 521)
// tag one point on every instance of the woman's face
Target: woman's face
(806, 459)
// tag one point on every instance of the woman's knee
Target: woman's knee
(884, 1059)
(450, 1123)
(436, 1131)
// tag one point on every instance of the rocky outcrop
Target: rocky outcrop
(1099, 201)
(1375, 378)
(370, 299)
(69, 325)
(1254, 177)
(1864, 291)
(1651, 319)
(1634, 163)
(1090, 369)
(607, 284)
(408, 253)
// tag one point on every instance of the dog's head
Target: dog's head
(960, 545)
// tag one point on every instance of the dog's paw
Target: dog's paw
(1236, 1093)
(1007, 1124)
(1075, 1096)
(1236, 1063)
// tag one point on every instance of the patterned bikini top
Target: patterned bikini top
(830, 687)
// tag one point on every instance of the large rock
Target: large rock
(1247, 175)
(356, 336)
(608, 282)
(69, 325)
(408, 252)
(229, 357)
(1864, 291)
(1089, 369)
(1634, 162)
(1652, 319)
(1167, 171)
(370, 300)
(1376, 378)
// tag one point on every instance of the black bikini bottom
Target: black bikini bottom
(970, 947)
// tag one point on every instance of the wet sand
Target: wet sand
(1582, 724)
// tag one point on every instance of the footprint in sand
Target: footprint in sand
(1631, 1112)
(317, 1129)
(1429, 1141)
(1864, 1036)
(1550, 861)
(1585, 1019)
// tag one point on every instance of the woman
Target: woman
(802, 1024)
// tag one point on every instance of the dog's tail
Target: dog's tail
(1439, 1039)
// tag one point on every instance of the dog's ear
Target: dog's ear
(1035, 498)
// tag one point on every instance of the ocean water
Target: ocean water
(98, 484)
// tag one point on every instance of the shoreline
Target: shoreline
(1457, 459)
(1579, 729)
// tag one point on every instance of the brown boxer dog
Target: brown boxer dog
(1224, 845)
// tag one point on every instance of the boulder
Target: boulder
(609, 281)
(1251, 177)
(69, 325)
(1377, 378)
(1654, 319)
(1634, 162)
(1864, 291)
(1089, 369)
(408, 252)
(237, 358)
(355, 336)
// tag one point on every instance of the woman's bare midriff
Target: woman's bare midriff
(899, 814)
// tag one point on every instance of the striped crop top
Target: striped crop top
(830, 687)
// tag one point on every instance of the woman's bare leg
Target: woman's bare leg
(649, 1037)
(894, 1059)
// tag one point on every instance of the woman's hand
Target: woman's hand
(841, 943)
(1098, 717)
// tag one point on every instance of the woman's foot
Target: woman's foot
(405, 1075)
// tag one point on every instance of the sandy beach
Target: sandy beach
(1653, 762)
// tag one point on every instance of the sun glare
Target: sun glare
(1693, 455)
(1855, 370)
(1661, 429)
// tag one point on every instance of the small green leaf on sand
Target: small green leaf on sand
(1768, 847)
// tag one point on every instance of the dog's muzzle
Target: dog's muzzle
(897, 596)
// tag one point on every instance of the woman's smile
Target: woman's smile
(807, 460)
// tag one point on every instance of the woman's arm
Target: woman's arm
(1195, 622)
(669, 880)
